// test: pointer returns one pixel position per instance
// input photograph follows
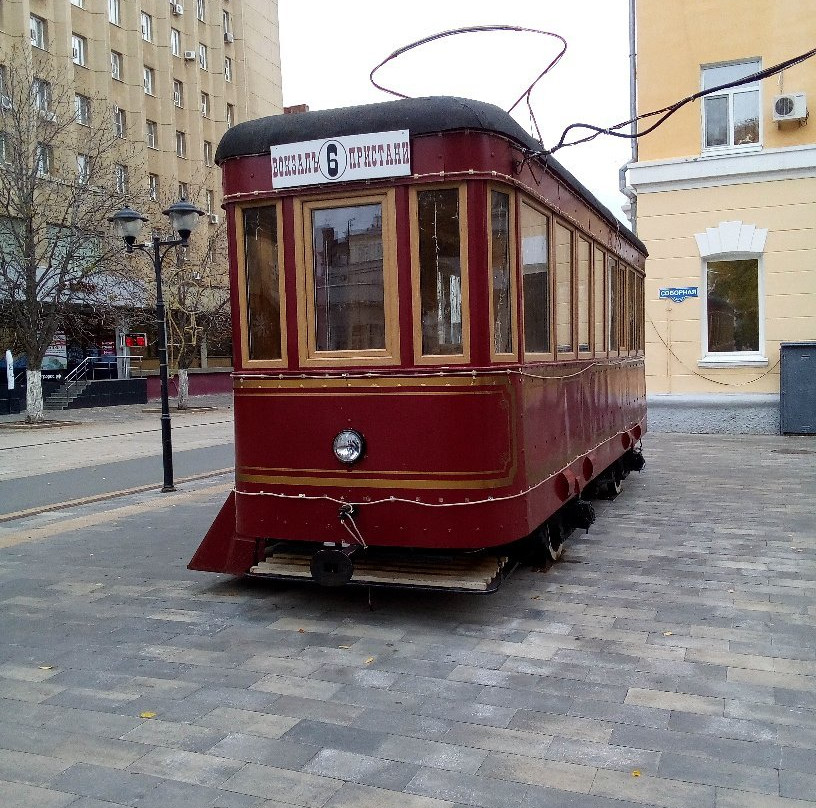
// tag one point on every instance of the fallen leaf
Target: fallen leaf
(636, 773)
(46, 667)
(147, 715)
(667, 633)
(344, 646)
(369, 660)
(301, 631)
(535, 597)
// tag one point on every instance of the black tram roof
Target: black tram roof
(420, 116)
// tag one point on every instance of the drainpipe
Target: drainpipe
(624, 188)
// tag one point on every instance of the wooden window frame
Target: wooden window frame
(413, 206)
(573, 352)
(539, 356)
(308, 354)
(600, 306)
(242, 286)
(580, 237)
(512, 356)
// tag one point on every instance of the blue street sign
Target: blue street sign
(678, 295)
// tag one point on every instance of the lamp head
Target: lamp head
(183, 217)
(127, 224)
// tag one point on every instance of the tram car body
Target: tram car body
(438, 346)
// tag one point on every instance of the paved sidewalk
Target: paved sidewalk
(669, 660)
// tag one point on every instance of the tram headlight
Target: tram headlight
(349, 446)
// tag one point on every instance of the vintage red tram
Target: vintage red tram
(438, 346)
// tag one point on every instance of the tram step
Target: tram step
(481, 574)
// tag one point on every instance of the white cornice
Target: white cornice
(708, 171)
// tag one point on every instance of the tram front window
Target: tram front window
(262, 283)
(349, 296)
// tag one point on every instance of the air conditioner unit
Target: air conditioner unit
(190, 56)
(229, 36)
(5, 102)
(177, 9)
(213, 218)
(790, 107)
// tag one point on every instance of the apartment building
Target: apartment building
(726, 203)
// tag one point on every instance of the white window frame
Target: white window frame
(201, 9)
(731, 147)
(152, 134)
(181, 144)
(42, 95)
(178, 93)
(79, 49)
(4, 147)
(78, 3)
(147, 26)
(45, 159)
(202, 55)
(82, 109)
(116, 65)
(39, 32)
(149, 80)
(205, 104)
(230, 115)
(183, 190)
(120, 122)
(83, 169)
(114, 12)
(122, 181)
(210, 201)
(175, 42)
(227, 69)
(227, 21)
(153, 186)
(208, 153)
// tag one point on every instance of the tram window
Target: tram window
(584, 293)
(623, 306)
(502, 286)
(347, 266)
(632, 309)
(262, 272)
(600, 301)
(614, 304)
(563, 288)
(536, 280)
(440, 271)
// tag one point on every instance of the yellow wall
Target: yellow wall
(668, 222)
(676, 37)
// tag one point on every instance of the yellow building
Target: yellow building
(726, 203)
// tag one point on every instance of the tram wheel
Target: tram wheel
(614, 482)
(553, 538)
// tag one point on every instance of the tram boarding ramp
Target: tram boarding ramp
(797, 388)
(477, 574)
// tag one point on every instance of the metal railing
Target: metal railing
(86, 370)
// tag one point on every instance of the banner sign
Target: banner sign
(341, 159)
(678, 295)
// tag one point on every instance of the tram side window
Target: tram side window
(349, 297)
(632, 308)
(501, 279)
(600, 299)
(262, 282)
(536, 279)
(623, 305)
(563, 288)
(614, 304)
(440, 271)
(584, 294)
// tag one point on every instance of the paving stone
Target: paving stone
(728, 798)
(186, 795)
(603, 755)
(718, 773)
(189, 767)
(470, 789)
(567, 726)
(23, 767)
(104, 784)
(653, 790)
(536, 771)
(308, 790)
(363, 769)
(496, 739)
(157, 732)
(434, 754)
(797, 785)
(352, 795)
(230, 719)
(403, 723)
(19, 795)
(269, 751)
(684, 702)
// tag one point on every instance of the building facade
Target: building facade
(726, 203)
(170, 76)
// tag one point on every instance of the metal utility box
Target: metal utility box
(797, 388)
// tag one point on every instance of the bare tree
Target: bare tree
(63, 171)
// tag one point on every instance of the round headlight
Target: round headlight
(349, 446)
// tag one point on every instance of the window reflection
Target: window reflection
(536, 278)
(262, 282)
(347, 245)
(733, 305)
(440, 271)
(500, 267)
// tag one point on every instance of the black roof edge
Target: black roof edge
(420, 116)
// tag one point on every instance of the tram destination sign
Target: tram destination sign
(341, 159)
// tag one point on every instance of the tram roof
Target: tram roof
(420, 116)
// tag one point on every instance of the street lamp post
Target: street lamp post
(128, 224)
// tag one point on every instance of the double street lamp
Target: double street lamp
(128, 224)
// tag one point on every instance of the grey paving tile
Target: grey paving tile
(797, 785)
(653, 790)
(189, 737)
(346, 739)
(718, 773)
(470, 789)
(269, 751)
(104, 784)
(364, 769)
(19, 795)
(230, 719)
(620, 713)
(185, 795)
(403, 723)
(308, 790)
(353, 795)
(432, 754)
(23, 767)
(603, 755)
(540, 772)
